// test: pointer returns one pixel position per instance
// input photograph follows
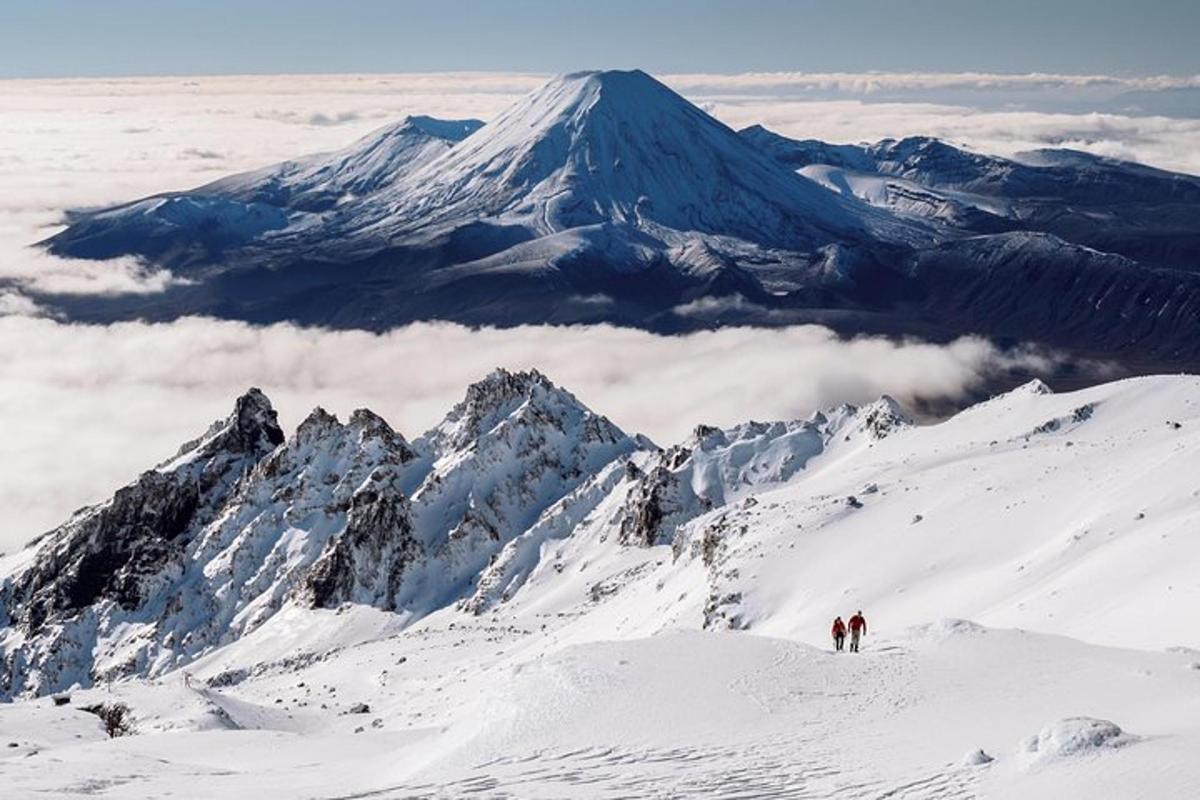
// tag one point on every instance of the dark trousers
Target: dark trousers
(838, 641)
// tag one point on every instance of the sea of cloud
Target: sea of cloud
(84, 408)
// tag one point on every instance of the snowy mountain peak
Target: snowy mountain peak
(252, 429)
(114, 555)
(607, 197)
(363, 424)
(934, 162)
(348, 453)
(875, 421)
(1034, 387)
(317, 423)
(621, 149)
(451, 130)
(616, 92)
(253, 425)
(546, 507)
(499, 396)
(375, 162)
(213, 544)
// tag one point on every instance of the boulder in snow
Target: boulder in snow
(1074, 736)
(976, 758)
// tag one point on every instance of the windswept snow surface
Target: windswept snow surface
(660, 629)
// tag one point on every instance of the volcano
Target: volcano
(605, 197)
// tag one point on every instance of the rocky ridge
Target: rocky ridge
(243, 522)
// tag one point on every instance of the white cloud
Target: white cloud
(1159, 141)
(37, 271)
(88, 407)
(15, 304)
(877, 82)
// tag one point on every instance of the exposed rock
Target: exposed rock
(657, 500)
(367, 562)
(118, 551)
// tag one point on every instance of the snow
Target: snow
(372, 164)
(594, 147)
(1026, 568)
(907, 198)
(679, 714)
(1074, 736)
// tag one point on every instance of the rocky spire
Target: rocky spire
(114, 551)
(251, 429)
(493, 399)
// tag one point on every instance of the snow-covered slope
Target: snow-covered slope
(521, 490)
(1145, 214)
(526, 602)
(212, 220)
(372, 164)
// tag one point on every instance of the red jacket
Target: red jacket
(839, 628)
(857, 623)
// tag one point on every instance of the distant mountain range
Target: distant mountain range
(606, 197)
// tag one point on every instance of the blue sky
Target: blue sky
(148, 37)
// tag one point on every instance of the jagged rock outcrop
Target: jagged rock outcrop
(368, 561)
(660, 500)
(117, 550)
(716, 467)
(516, 445)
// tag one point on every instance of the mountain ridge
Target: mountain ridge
(244, 522)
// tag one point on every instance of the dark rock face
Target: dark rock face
(644, 509)
(113, 552)
(660, 498)
(883, 417)
(118, 549)
(1067, 294)
(367, 562)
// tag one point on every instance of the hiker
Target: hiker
(839, 634)
(858, 629)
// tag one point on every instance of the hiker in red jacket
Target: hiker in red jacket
(858, 629)
(839, 634)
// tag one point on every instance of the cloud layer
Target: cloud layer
(87, 407)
